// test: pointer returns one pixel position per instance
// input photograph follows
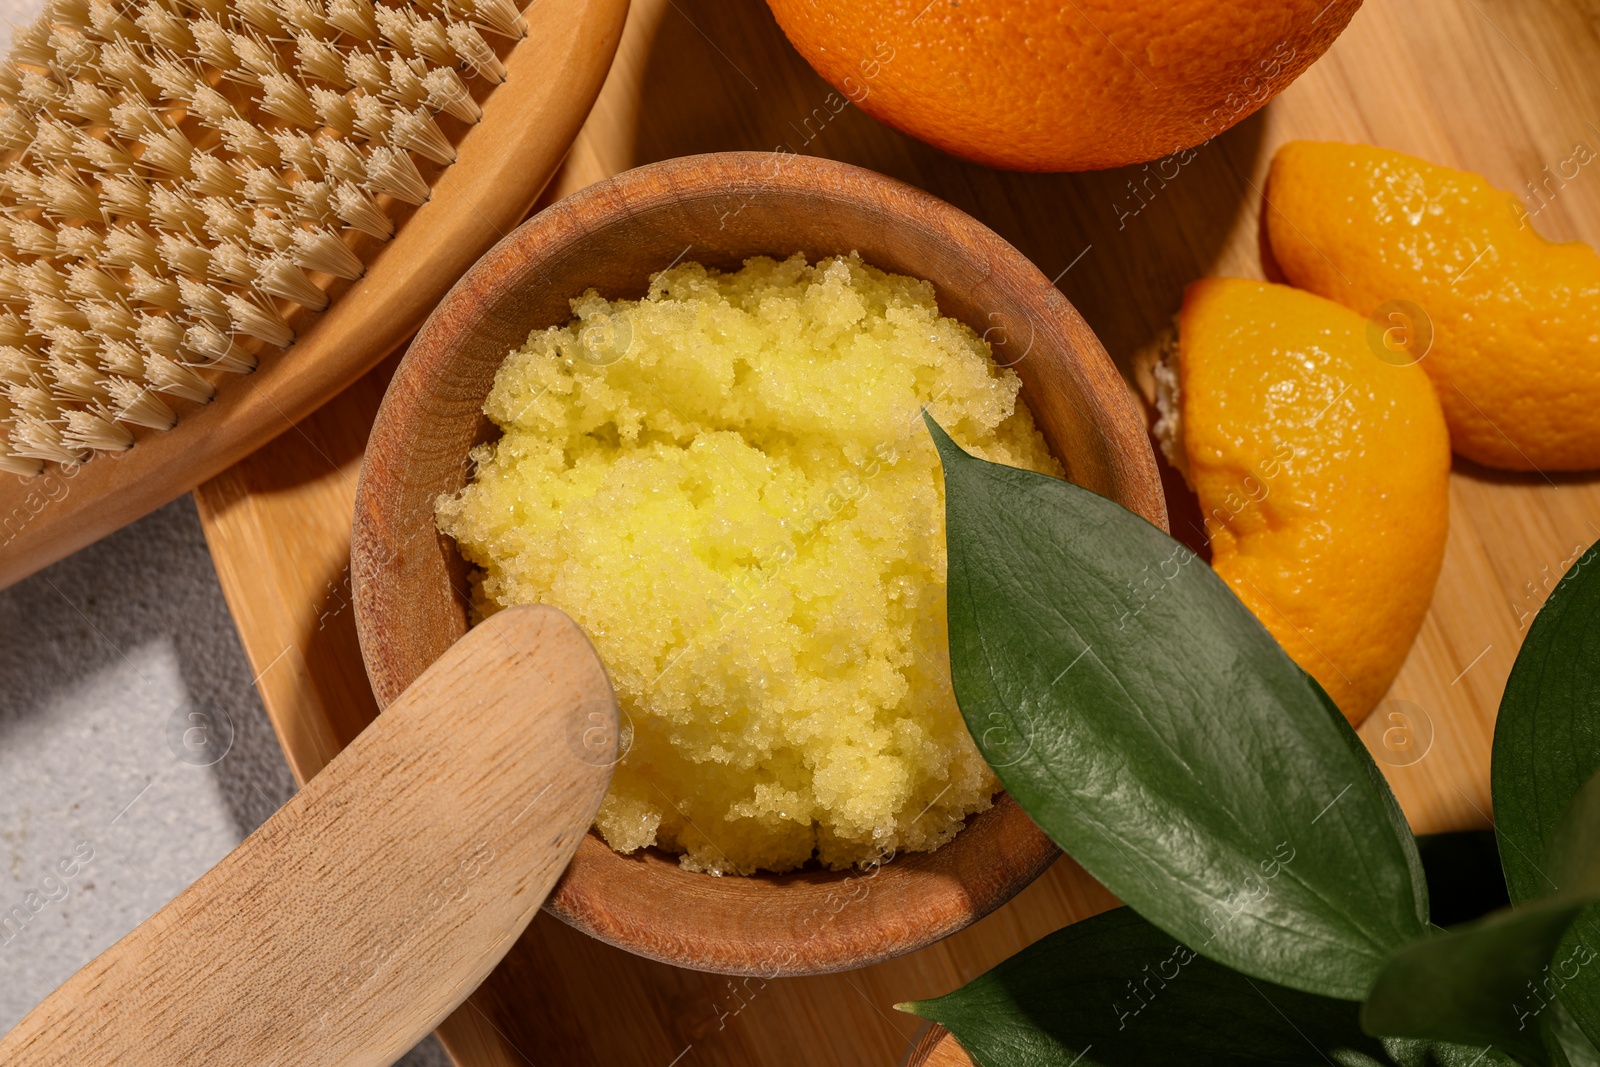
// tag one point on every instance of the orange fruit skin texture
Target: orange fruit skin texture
(1323, 473)
(1050, 86)
(1516, 318)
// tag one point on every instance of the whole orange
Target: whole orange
(1051, 85)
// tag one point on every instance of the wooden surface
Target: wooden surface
(502, 164)
(936, 1047)
(412, 599)
(380, 895)
(1505, 87)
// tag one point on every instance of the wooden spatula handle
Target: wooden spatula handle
(382, 894)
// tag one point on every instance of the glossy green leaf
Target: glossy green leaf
(1490, 982)
(1145, 719)
(1566, 1043)
(1572, 855)
(1572, 861)
(1547, 737)
(1114, 991)
(1472, 984)
(1546, 746)
(1416, 874)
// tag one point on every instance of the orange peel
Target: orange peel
(1505, 322)
(1322, 471)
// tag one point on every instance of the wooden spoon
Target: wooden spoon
(382, 894)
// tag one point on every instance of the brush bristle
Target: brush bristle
(178, 174)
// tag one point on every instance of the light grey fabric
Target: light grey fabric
(121, 674)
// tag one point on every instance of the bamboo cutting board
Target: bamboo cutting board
(1504, 87)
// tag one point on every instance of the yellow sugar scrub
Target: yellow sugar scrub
(728, 484)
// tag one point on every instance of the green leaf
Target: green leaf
(1114, 991)
(1547, 738)
(1572, 859)
(1566, 1043)
(1391, 805)
(1572, 856)
(1490, 982)
(1150, 725)
(1546, 746)
(1473, 984)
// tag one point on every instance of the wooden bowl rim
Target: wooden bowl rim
(940, 904)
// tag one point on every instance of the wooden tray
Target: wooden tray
(1504, 87)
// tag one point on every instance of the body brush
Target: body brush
(215, 214)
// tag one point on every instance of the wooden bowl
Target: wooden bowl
(409, 581)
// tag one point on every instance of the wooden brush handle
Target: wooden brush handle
(382, 894)
(502, 164)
